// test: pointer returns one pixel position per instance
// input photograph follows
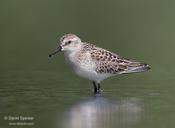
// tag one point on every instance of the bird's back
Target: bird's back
(111, 63)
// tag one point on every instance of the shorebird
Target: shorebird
(95, 63)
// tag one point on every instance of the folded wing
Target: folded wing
(112, 63)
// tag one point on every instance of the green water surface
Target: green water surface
(32, 85)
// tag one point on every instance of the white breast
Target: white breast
(83, 66)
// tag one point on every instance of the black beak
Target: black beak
(58, 49)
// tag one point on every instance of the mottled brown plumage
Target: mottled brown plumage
(108, 62)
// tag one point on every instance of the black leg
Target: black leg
(95, 88)
(98, 88)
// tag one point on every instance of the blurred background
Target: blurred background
(33, 85)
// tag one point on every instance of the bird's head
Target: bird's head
(68, 42)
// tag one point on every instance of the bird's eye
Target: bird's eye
(68, 42)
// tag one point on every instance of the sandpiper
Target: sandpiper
(95, 63)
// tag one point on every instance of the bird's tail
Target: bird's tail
(137, 67)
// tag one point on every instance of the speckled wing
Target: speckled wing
(108, 62)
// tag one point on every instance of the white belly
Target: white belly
(85, 68)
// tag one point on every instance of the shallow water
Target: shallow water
(99, 112)
(32, 85)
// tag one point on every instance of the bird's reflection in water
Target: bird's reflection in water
(99, 112)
